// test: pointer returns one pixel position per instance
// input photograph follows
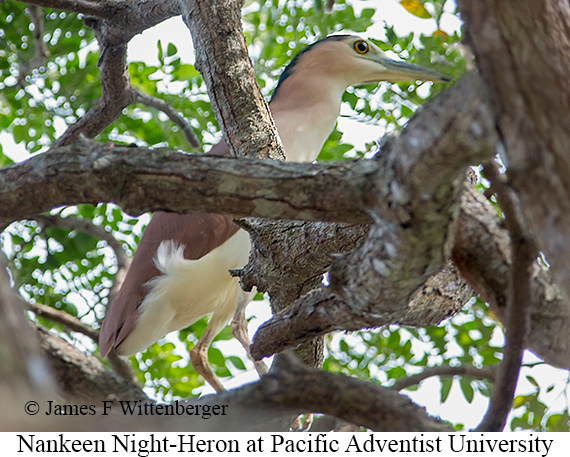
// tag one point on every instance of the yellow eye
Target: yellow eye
(361, 47)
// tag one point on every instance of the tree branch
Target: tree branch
(488, 372)
(481, 250)
(116, 94)
(522, 53)
(61, 317)
(75, 325)
(97, 8)
(41, 52)
(289, 258)
(141, 179)
(83, 379)
(172, 114)
(114, 24)
(266, 405)
(519, 305)
(355, 401)
(421, 172)
(223, 60)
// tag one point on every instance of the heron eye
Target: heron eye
(361, 47)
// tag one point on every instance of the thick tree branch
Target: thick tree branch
(141, 179)
(481, 250)
(480, 247)
(355, 401)
(266, 405)
(526, 68)
(416, 196)
(290, 257)
(223, 60)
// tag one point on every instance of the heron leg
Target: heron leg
(199, 359)
(239, 330)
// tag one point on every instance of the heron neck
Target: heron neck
(305, 114)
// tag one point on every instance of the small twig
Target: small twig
(172, 114)
(524, 253)
(488, 372)
(61, 317)
(87, 226)
(329, 6)
(41, 52)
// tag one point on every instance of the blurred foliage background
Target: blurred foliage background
(49, 79)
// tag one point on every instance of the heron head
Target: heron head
(352, 61)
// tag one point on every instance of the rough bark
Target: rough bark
(289, 259)
(421, 175)
(83, 379)
(223, 60)
(141, 179)
(481, 250)
(23, 371)
(523, 53)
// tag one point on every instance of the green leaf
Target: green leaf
(446, 384)
(216, 357)
(558, 422)
(237, 362)
(171, 50)
(160, 52)
(532, 381)
(467, 389)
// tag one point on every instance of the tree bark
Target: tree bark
(523, 53)
(421, 176)
(223, 60)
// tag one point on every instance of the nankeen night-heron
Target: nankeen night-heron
(180, 270)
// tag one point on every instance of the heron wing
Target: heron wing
(198, 233)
